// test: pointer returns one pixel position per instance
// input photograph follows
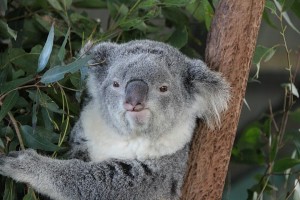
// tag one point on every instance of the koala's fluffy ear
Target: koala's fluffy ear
(210, 92)
(101, 52)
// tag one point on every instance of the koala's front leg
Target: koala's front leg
(29, 167)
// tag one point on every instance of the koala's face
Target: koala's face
(146, 87)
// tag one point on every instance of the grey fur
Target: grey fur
(119, 153)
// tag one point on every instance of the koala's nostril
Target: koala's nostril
(134, 107)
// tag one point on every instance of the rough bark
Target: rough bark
(230, 46)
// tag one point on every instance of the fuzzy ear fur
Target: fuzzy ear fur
(101, 52)
(209, 90)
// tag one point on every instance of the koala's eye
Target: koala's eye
(163, 88)
(116, 84)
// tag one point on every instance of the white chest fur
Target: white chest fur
(104, 143)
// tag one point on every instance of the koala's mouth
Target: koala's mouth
(134, 108)
(138, 116)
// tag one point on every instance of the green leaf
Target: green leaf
(7, 132)
(47, 134)
(195, 8)
(287, 5)
(174, 2)
(30, 195)
(57, 73)
(123, 10)
(292, 88)
(1, 145)
(62, 51)
(146, 4)
(295, 8)
(284, 164)
(23, 60)
(274, 148)
(129, 24)
(55, 4)
(271, 6)
(90, 3)
(179, 38)
(17, 74)
(36, 141)
(251, 139)
(42, 99)
(67, 4)
(8, 103)
(208, 13)
(113, 8)
(176, 16)
(215, 3)
(14, 84)
(248, 156)
(7, 32)
(268, 20)
(46, 23)
(10, 190)
(262, 54)
(286, 16)
(3, 7)
(46, 52)
(295, 115)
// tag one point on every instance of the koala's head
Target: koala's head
(148, 87)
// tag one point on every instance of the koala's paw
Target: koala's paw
(18, 163)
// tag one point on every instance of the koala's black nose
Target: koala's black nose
(136, 92)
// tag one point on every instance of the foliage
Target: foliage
(269, 143)
(42, 77)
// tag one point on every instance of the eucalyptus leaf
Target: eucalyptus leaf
(46, 52)
(57, 73)
(3, 7)
(284, 164)
(62, 51)
(67, 4)
(30, 195)
(1, 145)
(209, 13)
(6, 31)
(271, 6)
(23, 60)
(90, 3)
(250, 139)
(10, 190)
(292, 88)
(262, 53)
(8, 103)
(296, 8)
(286, 16)
(179, 38)
(174, 3)
(295, 115)
(55, 4)
(14, 84)
(148, 4)
(36, 141)
(6, 132)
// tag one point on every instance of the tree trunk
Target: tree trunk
(230, 46)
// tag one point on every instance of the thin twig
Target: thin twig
(15, 124)
(272, 117)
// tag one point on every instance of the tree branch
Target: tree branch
(230, 46)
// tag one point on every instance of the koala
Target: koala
(132, 138)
